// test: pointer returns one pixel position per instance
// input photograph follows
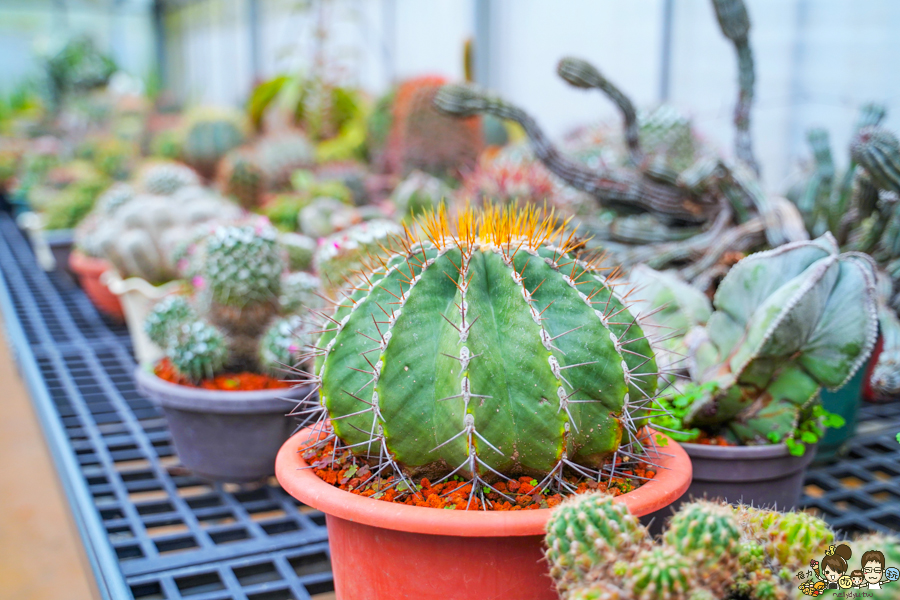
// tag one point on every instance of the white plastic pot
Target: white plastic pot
(138, 297)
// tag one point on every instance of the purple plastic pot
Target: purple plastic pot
(225, 436)
(766, 476)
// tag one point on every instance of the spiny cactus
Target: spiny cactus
(115, 196)
(165, 319)
(790, 539)
(166, 177)
(241, 178)
(341, 254)
(597, 590)
(787, 322)
(278, 347)
(418, 193)
(299, 290)
(243, 266)
(661, 573)
(421, 138)
(278, 155)
(208, 136)
(510, 181)
(240, 300)
(198, 350)
(877, 151)
(708, 534)
(466, 335)
(587, 531)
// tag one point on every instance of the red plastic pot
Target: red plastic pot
(88, 271)
(381, 550)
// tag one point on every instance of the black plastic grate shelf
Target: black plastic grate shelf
(151, 529)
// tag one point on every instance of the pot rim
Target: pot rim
(740, 452)
(90, 265)
(172, 395)
(304, 485)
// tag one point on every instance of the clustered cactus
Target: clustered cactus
(238, 319)
(597, 550)
(485, 349)
(139, 227)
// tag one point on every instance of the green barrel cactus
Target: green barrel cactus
(486, 349)
(787, 322)
(661, 573)
(709, 534)
(210, 133)
(588, 531)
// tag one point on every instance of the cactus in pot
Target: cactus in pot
(474, 350)
(238, 320)
(787, 322)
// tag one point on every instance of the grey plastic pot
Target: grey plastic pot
(767, 476)
(225, 436)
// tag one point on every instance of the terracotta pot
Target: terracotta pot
(764, 476)
(381, 550)
(88, 271)
(221, 435)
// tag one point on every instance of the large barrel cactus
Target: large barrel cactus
(485, 349)
(787, 322)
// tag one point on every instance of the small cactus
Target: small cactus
(114, 197)
(597, 590)
(418, 193)
(165, 178)
(279, 155)
(661, 573)
(210, 133)
(241, 178)
(341, 254)
(790, 539)
(587, 531)
(300, 249)
(166, 318)
(299, 290)
(198, 350)
(243, 266)
(709, 534)
(279, 347)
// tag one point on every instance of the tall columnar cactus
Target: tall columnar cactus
(587, 531)
(787, 322)
(735, 25)
(238, 319)
(421, 138)
(208, 136)
(486, 348)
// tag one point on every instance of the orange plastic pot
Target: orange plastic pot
(88, 271)
(381, 550)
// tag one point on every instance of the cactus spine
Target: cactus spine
(660, 573)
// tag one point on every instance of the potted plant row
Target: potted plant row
(231, 354)
(783, 324)
(471, 380)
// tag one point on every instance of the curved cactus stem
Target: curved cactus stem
(619, 188)
(582, 74)
(735, 25)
